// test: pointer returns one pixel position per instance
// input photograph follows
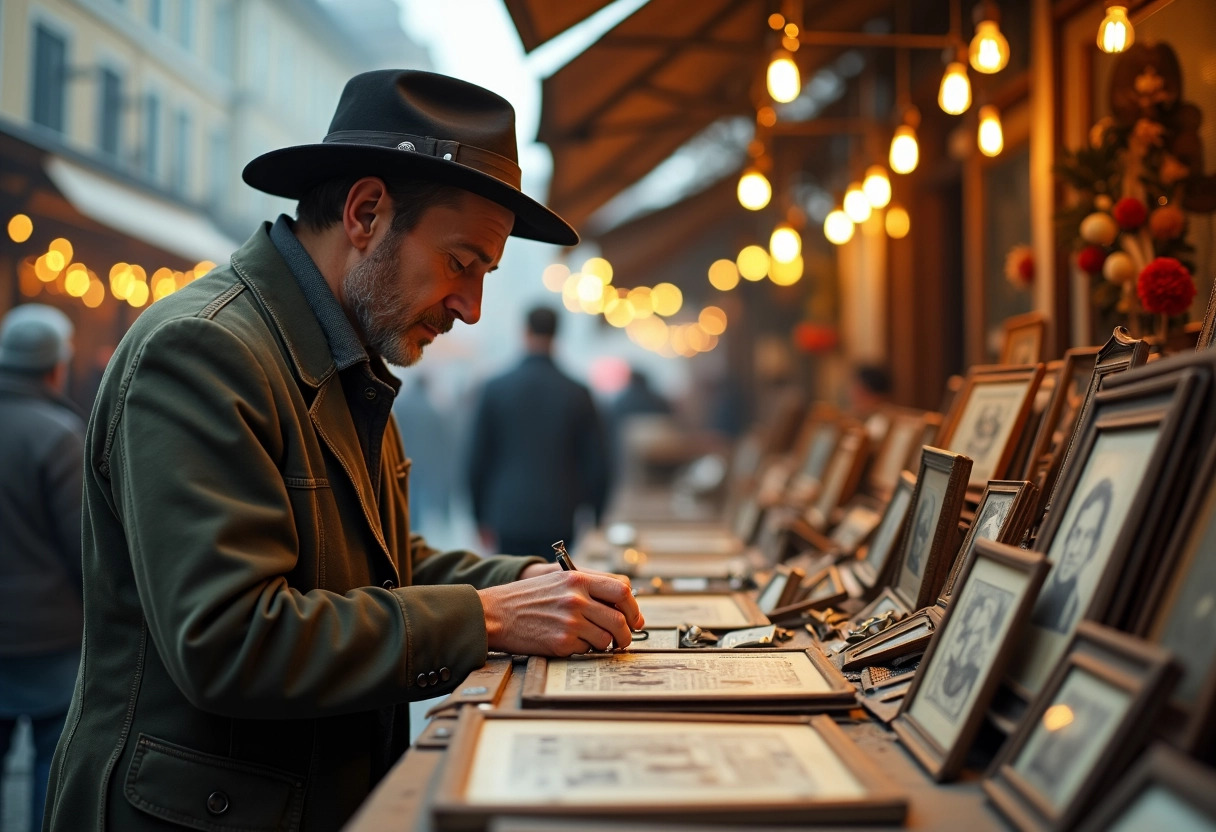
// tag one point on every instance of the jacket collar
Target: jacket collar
(18, 384)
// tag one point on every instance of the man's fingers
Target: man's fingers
(610, 591)
(611, 623)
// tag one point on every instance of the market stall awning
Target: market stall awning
(539, 21)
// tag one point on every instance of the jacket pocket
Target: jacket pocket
(212, 793)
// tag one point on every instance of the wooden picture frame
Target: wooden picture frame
(991, 412)
(709, 610)
(1207, 335)
(1058, 423)
(824, 589)
(734, 681)
(965, 660)
(1164, 790)
(1020, 460)
(885, 601)
(906, 637)
(1024, 336)
(782, 588)
(1085, 726)
(931, 528)
(905, 434)
(871, 564)
(841, 476)
(1003, 515)
(855, 528)
(1130, 452)
(627, 766)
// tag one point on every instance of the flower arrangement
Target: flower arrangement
(1019, 266)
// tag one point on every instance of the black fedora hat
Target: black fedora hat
(422, 125)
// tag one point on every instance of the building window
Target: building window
(156, 14)
(217, 169)
(151, 148)
(179, 172)
(109, 116)
(223, 38)
(185, 23)
(50, 78)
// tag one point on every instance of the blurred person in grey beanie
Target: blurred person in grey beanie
(41, 447)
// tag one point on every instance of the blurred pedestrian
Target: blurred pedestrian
(41, 457)
(427, 438)
(537, 452)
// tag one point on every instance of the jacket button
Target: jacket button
(217, 803)
(370, 394)
(389, 584)
(433, 678)
(422, 680)
(444, 674)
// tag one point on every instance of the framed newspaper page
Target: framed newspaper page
(711, 611)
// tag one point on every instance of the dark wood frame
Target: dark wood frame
(880, 649)
(888, 595)
(941, 762)
(846, 525)
(1043, 397)
(1164, 768)
(840, 695)
(806, 602)
(791, 584)
(884, 803)
(1207, 335)
(945, 535)
(1034, 322)
(1031, 375)
(865, 571)
(743, 600)
(840, 476)
(1142, 670)
(902, 421)
(1017, 521)
(1043, 465)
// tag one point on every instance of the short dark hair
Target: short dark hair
(874, 378)
(322, 206)
(542, 320)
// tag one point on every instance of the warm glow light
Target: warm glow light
(121, 280)
(570, 293)
(898, 222)
(776, 21)
(554, 276)
(164, 283)
(753, 263)
(139, 294)
(766, 116)
(27, 278)
(1057, 717)
(649, 333)
(202, 267)
(667, 299)
(785, 244)
(590, 288)
(723, 275)
(905, 152)
(599, 267)
(20, 227)
(642, 301)
(954, 96)
(55, 261)
(1116, 32)
(877, 186)
(754, 190)
(618, 312)
(784, 81)
(95, 294)
(43, 269)
(787, 274)
(855, 203)
(62, 246)
(991, 137)
(712, 320)
(989, 50)
(76, 281)
(837, 227)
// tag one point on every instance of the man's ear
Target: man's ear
(367, 213)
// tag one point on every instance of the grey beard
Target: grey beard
(375, 296)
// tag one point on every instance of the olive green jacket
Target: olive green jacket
(245, 645)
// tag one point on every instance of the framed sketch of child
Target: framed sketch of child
(1164, 790)
(992, 410)
(871, 565)
(963, 664)
(1023, 343)
(651, 767)
(1003, 515)
(1088, 722)
(931, 528)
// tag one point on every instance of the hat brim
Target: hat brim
(292, 171)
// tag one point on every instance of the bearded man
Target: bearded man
(256, 608)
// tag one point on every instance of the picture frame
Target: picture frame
(885, 601)
(930, 536)
(1087, 723)
(1163, 790)
(1003, 515)
(735, 681)
(904, 436)
(1207, 334)
(904, 638)
(824, 589)
(651, 767)
(781, 589)
(1020, 460)
(855, 527)
(841, 476)
(709, 610)
(1023, 338)
(966, 658)
(1059, 421)
(871, 563)
(992, 410)
(1120, 470)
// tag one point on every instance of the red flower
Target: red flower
(1091, 259)
(1165, 287)
(1130, 213)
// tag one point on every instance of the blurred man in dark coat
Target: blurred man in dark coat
(41, 446)
(538, 451)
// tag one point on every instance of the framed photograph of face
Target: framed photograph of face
(931, 535)
(992, 410)
(735, 680)
(1111, 504)
(966, 658)
(871, 563)
(651, 767)
(712, 611)
(1088, 722)
(841, 476)
(1164, 790)
(905, 434)
(1003, 515)
(1023, 342)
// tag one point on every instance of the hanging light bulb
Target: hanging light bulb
(837, 227)
(877, 186)
(989, 51)
(954, 96)
(754, 189)
(855, 203)
(784, 81)
(897, 221)
(905, 152)
(785, 244)
(991, 136)
(1115, 33)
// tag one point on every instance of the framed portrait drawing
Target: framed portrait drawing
(1088, 722)
(930, 537)
(1003, 515)
(735, 680)
(649, 767)
(1023, 341)
(1163, 790)
(871, 563)
(1112, 502)
(991, 412)
(905, 434)
(963, 664)
(712, 611)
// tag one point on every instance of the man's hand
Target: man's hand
(560, 613)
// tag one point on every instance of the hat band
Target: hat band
(479, 159)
